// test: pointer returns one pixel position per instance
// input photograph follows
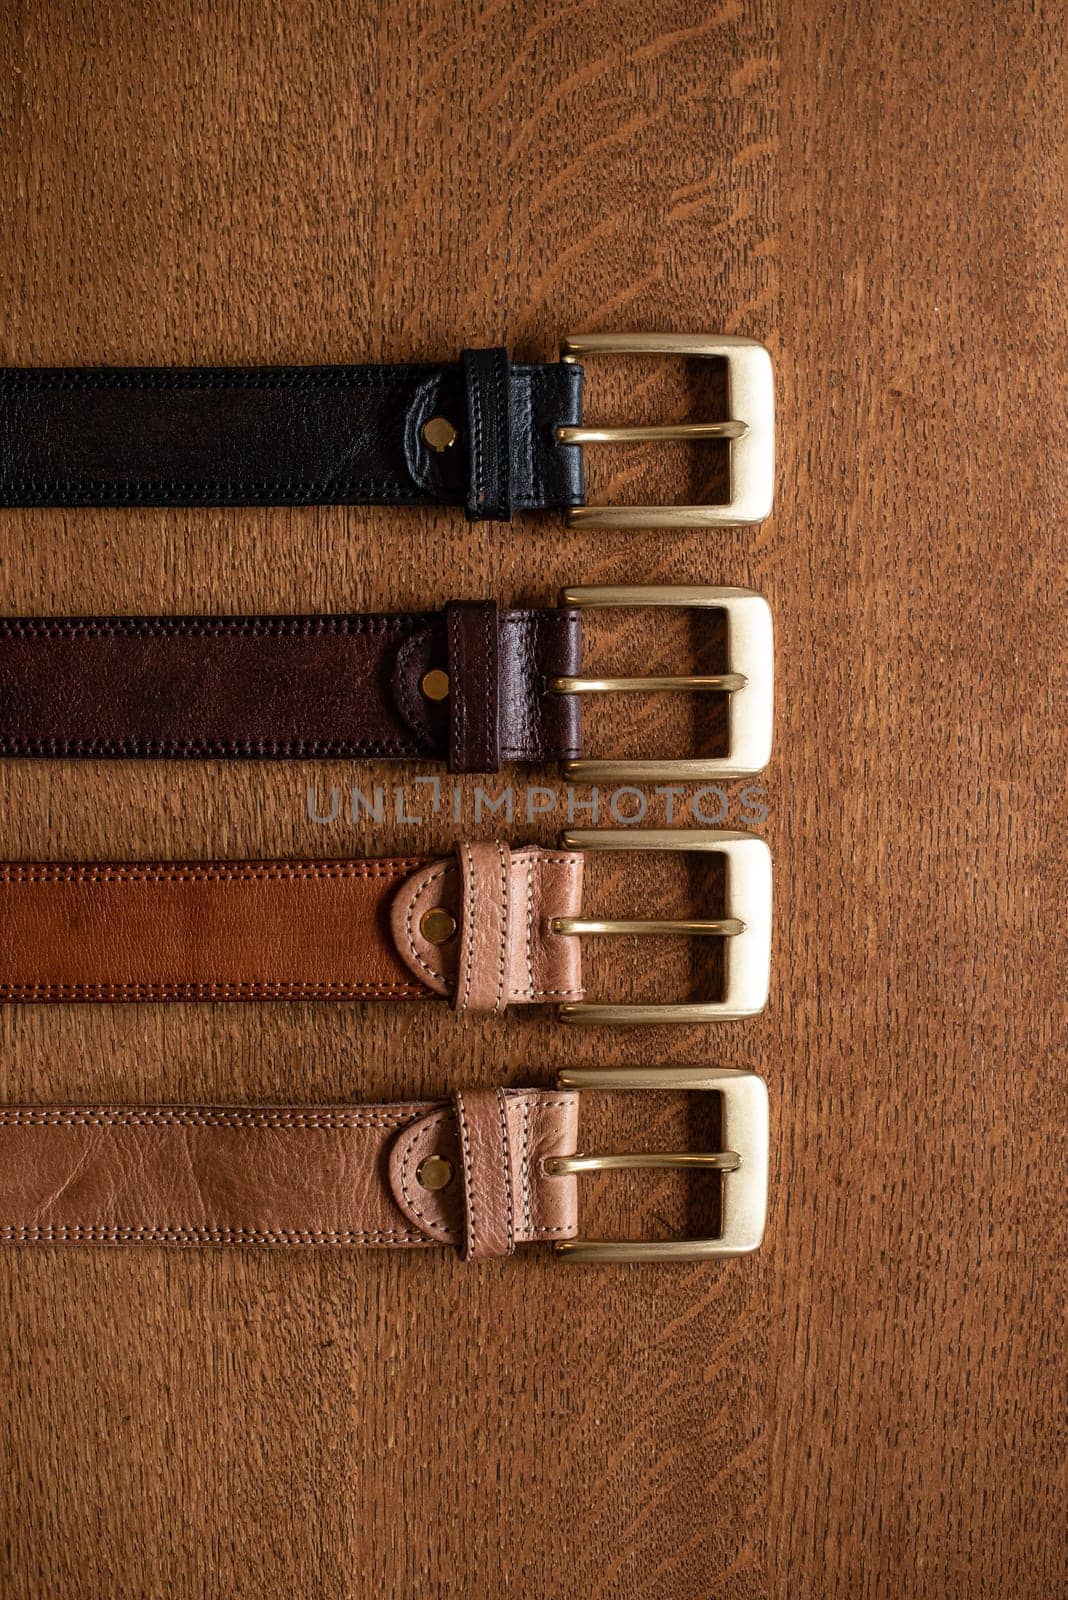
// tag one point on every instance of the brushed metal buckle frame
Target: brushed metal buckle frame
(744, 1163)
(746, 925)
(748, 681)
(750, 429)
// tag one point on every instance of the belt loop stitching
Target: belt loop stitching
(502, 952)
(491, 695)
(469, 1188)
(464, 984)
(507, 1152)
(504, 453)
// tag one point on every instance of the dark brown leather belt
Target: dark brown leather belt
(480, 432)
(485, 1170)
(469, 684)
(472, 685)
(486, 928)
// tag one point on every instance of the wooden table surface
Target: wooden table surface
(873, 1405)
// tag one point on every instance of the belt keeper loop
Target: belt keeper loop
(483, 965)
(487, 382)
(474, 686)
(486, 1162)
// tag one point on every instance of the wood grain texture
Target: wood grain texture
(869, 1407)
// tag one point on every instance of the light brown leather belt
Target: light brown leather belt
(487, 928)
(486, 1170)
(470, 1173)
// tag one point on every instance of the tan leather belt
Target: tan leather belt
(486, 1170)
(478, 926)
(487, 928)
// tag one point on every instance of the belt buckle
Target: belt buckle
(744, 1163)
(746, 925)
(748, 681)
(750, 430)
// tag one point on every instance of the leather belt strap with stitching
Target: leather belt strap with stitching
(346, 686)
(338, 435)
(468, 1172)
(296, 930)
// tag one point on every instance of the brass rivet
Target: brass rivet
(439, 433)
(437, 925)
(435, 684)
(434, 1172)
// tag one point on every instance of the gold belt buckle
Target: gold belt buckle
(749, 681)
(744, 1163)
(750, 430)
(746, 925)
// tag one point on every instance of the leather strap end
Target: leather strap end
(487, 381)
(499, 1194)
(497, 1142)
(505, 904)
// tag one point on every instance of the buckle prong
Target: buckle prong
(654, 1160)
(660, 430)
(744, 1164)
(710, 683)
(660, 927)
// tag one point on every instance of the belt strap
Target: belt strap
(295, 930)
(284, 687)
(389, 1175)
(338, 435)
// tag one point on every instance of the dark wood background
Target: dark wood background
(872, 1406)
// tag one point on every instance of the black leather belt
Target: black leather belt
(481, 432)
